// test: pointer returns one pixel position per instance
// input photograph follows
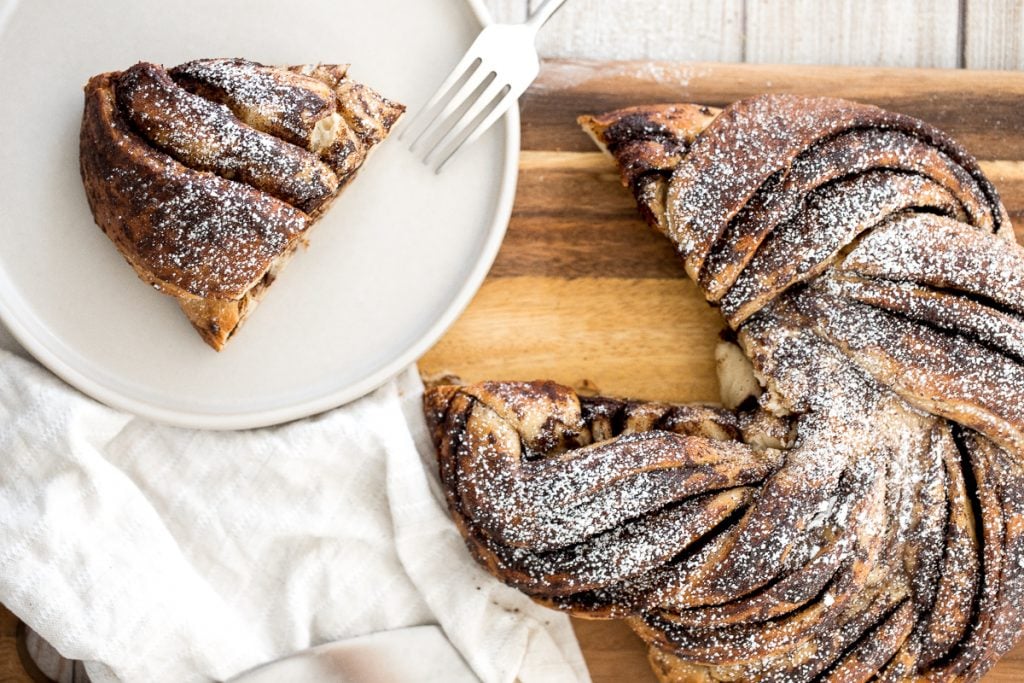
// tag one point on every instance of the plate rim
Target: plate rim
(275, 416)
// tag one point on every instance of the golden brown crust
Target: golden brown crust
(648, 142)
(207, 177)
(647, 139)
(217, 319)
(151, 206)
(862, 261)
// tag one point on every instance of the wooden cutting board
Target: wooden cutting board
(584, 293)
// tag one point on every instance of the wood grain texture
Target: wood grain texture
(994, 34)
(587, 332)
(921, 33)
(646, 29)
(614, 653)
(978, 108)
(12, 667)
(978, 34)
(583, 292)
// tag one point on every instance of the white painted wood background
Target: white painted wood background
(974, 34)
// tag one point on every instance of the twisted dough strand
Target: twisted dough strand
(862, 518)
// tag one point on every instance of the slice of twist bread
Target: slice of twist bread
(208, 176)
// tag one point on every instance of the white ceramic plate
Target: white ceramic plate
(389, 268)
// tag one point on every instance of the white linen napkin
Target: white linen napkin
(163, 554)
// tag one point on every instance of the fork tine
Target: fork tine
(483, 100)
(468, 63)
(502, 106)
(443, 120)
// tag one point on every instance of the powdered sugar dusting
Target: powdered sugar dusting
(284, 103)
(201, 203)
(205, 235)
(854, 252)
(206, 136)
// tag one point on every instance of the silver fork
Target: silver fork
(498, 67)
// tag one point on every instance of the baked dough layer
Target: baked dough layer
(207, 177)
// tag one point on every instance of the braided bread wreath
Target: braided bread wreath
(859, 515)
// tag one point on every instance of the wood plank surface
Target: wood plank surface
(978, 34)
(994, 34)
(924, 33)
(584, 293)
(13, 667)
(646, 29)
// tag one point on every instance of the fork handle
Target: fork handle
(541, 15)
